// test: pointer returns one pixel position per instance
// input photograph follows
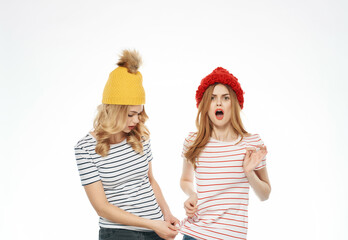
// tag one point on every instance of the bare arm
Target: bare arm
(186, 181)
(259, 181)
(186, 184)
(168, 216)
(96, 195)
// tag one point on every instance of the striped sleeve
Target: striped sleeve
(87, 168)
(147, 150)
(187, 143)
(263, 162)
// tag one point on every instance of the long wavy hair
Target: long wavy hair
(112, 119)
(205, 125)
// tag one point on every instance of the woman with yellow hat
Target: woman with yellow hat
(114, 162)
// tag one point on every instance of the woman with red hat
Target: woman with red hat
(224, 159)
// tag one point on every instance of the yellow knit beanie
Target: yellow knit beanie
(125, 83)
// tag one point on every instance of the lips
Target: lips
(131, 127)
(219, 113)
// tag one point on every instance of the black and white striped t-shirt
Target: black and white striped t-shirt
(124, 175)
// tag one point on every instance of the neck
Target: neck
(117, 138)
(224, 134)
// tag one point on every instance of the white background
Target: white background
(289, 56)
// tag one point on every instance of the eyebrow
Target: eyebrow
(135, 112)
(222, 94)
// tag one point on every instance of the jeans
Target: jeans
(123, 234)
(188, 238)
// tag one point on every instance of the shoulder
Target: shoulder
(146, 142)
(85, 148)
(252, 138)
(85, 142)
(251, 135)
(190, 137)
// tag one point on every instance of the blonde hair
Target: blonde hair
(112, 119)
(205, 125)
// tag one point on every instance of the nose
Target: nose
(218, 102)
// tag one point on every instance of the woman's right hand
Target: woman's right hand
(190, 205)
(164, 229)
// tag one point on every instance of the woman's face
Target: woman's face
(133, 117)
(220, 106)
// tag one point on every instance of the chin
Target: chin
(220, 124)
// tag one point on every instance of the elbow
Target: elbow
(152, 180)
(101, 210)
(183, 183)
(265, 196)
(186, 185)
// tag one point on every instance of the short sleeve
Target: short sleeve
(147, 150)
(87, 169)
(263, 162)
(187, 143)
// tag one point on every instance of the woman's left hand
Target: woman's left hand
(253, 158)
(171, 219)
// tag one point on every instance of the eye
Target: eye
(227, 98)
(212, 97)
(130, 115)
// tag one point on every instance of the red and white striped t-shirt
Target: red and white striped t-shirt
(222, 189)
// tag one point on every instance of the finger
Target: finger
(265, 148)
(263, 153)
(250, 148)
(171, 227)
(189, 205)
(172, 235)
(193, 204)
(190, 212)
(190, 209)
(259, 146)
(252, 151)
(249, 153)
(176, 221)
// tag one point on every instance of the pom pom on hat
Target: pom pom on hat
(220, 75)
(130, 60)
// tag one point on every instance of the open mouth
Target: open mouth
(219, 113)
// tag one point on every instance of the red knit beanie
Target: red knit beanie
(220, 75)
